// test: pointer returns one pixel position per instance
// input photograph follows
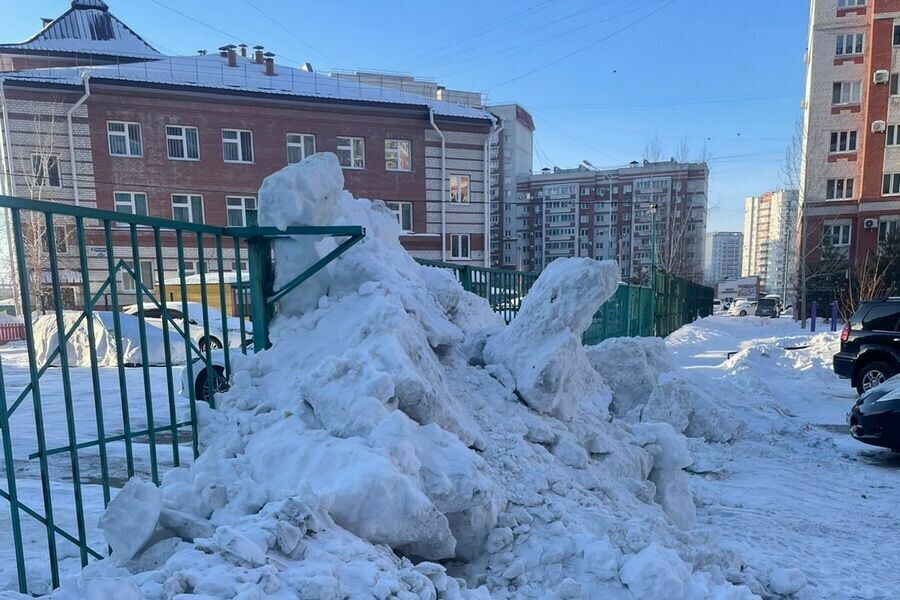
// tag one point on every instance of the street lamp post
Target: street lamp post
(653, 208)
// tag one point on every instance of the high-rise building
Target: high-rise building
(850, 173)
(770, 226)
(616, 213)
(722, 256)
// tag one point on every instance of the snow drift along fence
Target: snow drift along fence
(634, 310)
(11, 332)
(80, 418)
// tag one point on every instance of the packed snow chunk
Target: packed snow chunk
(131, 518)
(785, 582)
(369, 495)
(656, 573)
(542, 347)
(46, 340)
(692, 409)
(631, 368)
(302, 193)
(670, 457)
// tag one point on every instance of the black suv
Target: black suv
(870, 345)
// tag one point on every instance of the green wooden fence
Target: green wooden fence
(634, 310)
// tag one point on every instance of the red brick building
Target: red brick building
(104, 120)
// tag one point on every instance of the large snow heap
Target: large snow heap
(398, 441)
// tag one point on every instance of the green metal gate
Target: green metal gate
(80, 418)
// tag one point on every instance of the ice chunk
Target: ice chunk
(655, 573)
(131, 518)
(631, 368)
(784, 581)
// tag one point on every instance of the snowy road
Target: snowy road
(793, 492)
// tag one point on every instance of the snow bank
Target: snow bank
(398, 441)
(46, 340)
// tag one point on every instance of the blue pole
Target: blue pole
(834, 316)
(812, 317)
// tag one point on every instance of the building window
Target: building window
(850, 3)
(891, 184)
(846, 92)
(124, 138)
(896, 34)
(887, 228)
(146, 276)
(187, 208)
(893, 135)
(45, 170)
(241, 211)
(182, 143)
(133, 203)
(836, 234)
(237, 145)
(459, 188)
(300, 146)
(851, 43)
(839, 189)
(843, 141)
(403, 212)
(397, 155)
(459, 245)
(351, 152)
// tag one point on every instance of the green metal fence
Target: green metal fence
(79, 418)
(633, 310)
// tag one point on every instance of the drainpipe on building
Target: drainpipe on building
(443, 184)
(69, 114)
(487, 199)
(9, 187)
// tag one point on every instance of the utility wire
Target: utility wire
(583, 48)
(290, 32)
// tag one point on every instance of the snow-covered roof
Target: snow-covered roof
(87, 28)
(212, 71)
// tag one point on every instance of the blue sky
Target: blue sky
(601, 77)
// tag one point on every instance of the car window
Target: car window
(151, 313)
(175, 314)
(857, 317)
(882, 317)
(767, 303)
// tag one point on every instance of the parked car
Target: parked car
(875, 418)
(717, 306)
(768, 307)
(741, 307)
(153, 316)
(201, 373)
(870, 345)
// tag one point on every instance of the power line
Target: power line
(686, 102)
(583, 48)
(287, 30)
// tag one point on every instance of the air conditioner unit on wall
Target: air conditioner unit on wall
(878, 126)
(870, 223)
(881, 76)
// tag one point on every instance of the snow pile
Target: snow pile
(398, 441)
(46, 340)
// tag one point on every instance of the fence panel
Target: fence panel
(126, 328)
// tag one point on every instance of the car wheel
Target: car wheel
(873, 375)
(201, 391)
(210, 343)
(743, 313)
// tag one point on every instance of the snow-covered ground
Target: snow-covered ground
(400, 441)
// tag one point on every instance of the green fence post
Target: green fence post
(465, 277)
(259, 261)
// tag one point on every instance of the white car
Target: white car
(741, 307)
(201, 373)
(153, 316)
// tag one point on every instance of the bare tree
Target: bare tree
(866, 280)
(653, 150)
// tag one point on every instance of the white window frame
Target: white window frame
(850, 3)
(887, 226)
(300, 144)
(396, 153)
(398, 208)
(129, 284)
(459, 254)
(40, 170)
(189, 205)
(850, 93)
(348, 143)
(456, 181)
(183, 138)
(130, 150)
(243, 208)
(840, 142)
(893, 181)
(892, 136)
(856, 41)
(240, 148)
(131, 202)
(828, 232)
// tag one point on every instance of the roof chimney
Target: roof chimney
(270, 63)
(223, 51)
(258, 55)
(243, 48)
(231, 54)
(201, 52)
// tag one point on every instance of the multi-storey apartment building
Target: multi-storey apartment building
(850, 175)
(722, 256)
(610, 214)
(104, 120)
(770, 231)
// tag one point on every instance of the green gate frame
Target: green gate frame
(263, 298)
